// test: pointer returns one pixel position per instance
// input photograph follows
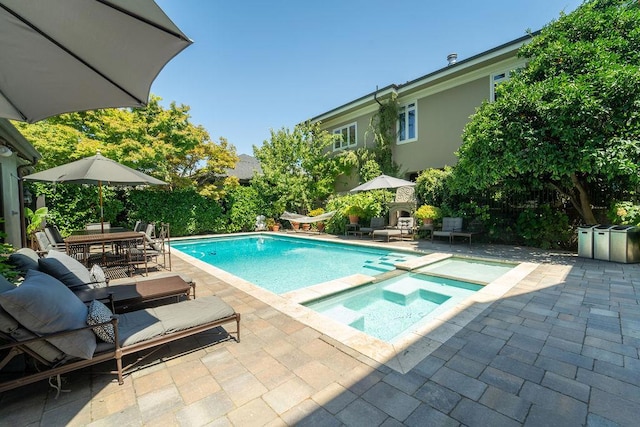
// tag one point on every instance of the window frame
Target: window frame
(404, 109)
(344, 145)
(508, 73)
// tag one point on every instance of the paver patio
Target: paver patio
(560, 348)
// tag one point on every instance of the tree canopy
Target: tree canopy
(299, 171)
(160, 142)
(571, 118)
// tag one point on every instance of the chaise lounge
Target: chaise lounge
(43, 319)
(405, 227)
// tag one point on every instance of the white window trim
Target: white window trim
(508, 73)
(347, 144)
(415, 109)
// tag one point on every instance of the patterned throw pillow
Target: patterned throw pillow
(98, 313)
(98, 278)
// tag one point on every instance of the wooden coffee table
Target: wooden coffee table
(127, 295)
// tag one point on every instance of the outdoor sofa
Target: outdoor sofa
(44, 320)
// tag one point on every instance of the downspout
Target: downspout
(23, 228)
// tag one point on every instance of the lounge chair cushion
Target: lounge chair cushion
(141, 325)
(24, 259)
(5, 285)
(44, 305)
(98, 278)
(64, 268)
(99, 313)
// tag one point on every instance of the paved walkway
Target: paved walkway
(561, 348)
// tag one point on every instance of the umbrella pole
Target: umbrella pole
(101, 221)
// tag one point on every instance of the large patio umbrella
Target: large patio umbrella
(60, 56)
(382, 182)
(95, 170)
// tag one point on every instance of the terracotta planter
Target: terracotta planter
(320, 227)
(427, 220)
(306, 226)
(354, 219)
(295, 225)
(274, 228)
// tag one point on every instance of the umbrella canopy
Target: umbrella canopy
(95, 170)
(382, 182)
(75, 55)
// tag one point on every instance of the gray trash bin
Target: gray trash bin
(585, 241)
(625, 244)
(601, 243)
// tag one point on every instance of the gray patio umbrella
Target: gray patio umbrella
(95, 170)
(382, 182)
(60, 56)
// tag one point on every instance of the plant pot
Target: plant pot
(295, 225)
(306, 226)
(320, 227)
(427, 220)
(354, 219)
(274, 228)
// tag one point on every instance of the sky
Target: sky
(261, 65)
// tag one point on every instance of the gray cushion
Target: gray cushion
(24, 259)
(5, 285)
(44, 305)
(141, 325)
(97, 276)
(99, 313)
(64, 268)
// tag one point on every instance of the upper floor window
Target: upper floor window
(348, 139)
(407, 122)
(499, 78)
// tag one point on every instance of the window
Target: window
(499, 78)
(407, 124)
(348, 139)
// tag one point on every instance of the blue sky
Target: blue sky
(261, 65)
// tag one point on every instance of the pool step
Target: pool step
(345, 315)
(405, 293)
(386, 262)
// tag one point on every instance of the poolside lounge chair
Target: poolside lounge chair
(404, 228)
(377, 223)
(43, 319)
(46, 245)
(450, 225)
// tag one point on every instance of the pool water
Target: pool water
(281, 264)
(391, 307)
(471, 270)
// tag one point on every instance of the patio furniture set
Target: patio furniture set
(61, 317)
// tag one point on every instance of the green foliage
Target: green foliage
(6, 269)
(544, 228)
(428, 211)
(626, 213)
(298, 169)
(316, 212)
(184, 209)
(354, 210)
(371, 201)
(383, 126)
(431, 186)
(571, 119)
(242, 205)
(35, 220)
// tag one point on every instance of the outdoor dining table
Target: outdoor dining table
(122, 242)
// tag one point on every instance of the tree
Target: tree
(158, 141)
(299, 171)
(571, 119)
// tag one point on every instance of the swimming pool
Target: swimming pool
(281, 264)
(389, 308)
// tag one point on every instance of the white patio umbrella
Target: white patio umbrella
(96, 170)
(60, 56)
(382, 182)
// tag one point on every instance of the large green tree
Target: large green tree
(571, 119)
(299, 171)
(156, 140)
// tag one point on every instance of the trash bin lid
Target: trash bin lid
(603, 227)
(624, 228)
(587, 227)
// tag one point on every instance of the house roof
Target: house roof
(458, 68)
(245, 168)
(17, 142)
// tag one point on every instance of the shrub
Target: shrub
(431, 186)
(626, 213)
(428, 211)
(355, 210)
(316, 212)
(544, 228)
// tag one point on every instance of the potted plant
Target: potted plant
(319, 224)
(35, 222)
(354, 212)
(272, 225)
(427, 213)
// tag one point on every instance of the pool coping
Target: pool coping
(411, 347)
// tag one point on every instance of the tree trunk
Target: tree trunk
(585, 203)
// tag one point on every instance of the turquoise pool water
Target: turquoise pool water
(391, 307)
(281, 264)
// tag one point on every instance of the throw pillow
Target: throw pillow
(98, 313)
(44, 305)
(98, 278)
(24, 259)
(5, 285)
(64, 268)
